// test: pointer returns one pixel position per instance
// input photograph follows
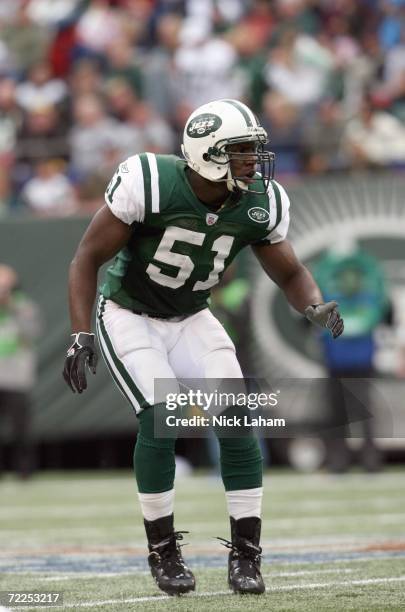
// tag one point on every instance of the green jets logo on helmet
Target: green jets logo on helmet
(202, 125)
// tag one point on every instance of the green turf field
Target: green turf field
(330, 543)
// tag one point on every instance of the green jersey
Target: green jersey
(178, 248)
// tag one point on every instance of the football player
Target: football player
(173, 226)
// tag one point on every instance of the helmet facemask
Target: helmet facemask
(263, 164)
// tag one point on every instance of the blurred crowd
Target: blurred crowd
(86, 83)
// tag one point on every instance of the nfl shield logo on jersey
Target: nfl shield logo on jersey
(211, 218)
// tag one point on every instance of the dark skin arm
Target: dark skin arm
(105, 236)
(281, 264)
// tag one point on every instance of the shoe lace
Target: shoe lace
(246, 551)
(169, 552)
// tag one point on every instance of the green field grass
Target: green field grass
(330, 543)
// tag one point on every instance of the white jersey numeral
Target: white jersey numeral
(184, 263)
(164, 254)
(222, 247)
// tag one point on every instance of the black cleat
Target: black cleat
(165, 561)
(244, 559)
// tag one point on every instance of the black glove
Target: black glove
(82, 352)
(326, 315)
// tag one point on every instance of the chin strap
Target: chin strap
(234, 184)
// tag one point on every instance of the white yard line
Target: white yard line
(344, 583)
(290, 587)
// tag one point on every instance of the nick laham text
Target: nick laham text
(223, 421)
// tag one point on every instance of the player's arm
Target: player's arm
(105, 236)
(282, 265)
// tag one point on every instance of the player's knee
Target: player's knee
(148, 432)
(222, 363)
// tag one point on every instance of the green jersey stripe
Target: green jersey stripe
(146, 182)
(242, 110)
(154, 181)
(125, 382)
(278, 204)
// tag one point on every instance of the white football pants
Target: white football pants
(138, 349)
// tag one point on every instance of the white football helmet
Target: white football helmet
(209, 131)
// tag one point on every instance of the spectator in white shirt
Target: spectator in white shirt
(49, 193)
(40, 89)
(374, 138)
